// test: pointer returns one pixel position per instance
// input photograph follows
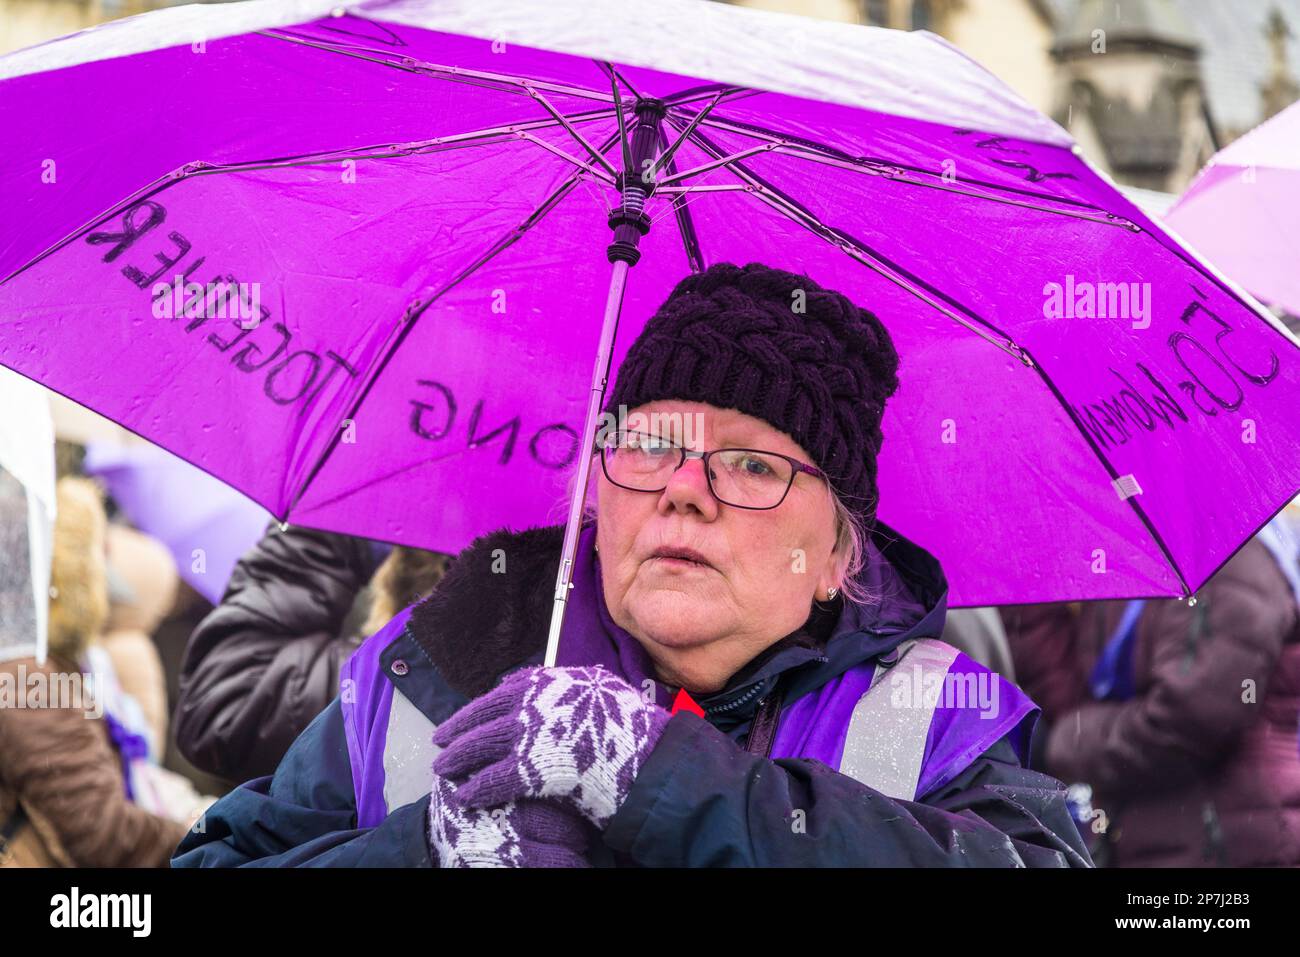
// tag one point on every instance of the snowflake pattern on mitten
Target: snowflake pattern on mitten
(461, 836)
(579, 735)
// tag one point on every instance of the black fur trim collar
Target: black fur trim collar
(492, 610)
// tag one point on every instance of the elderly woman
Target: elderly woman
(748, 674)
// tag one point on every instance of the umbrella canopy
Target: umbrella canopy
(27, 508)
(411, 201)
(1243, 210)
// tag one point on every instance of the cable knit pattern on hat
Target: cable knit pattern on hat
(731, 337)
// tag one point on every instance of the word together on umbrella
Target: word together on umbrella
(289, 375)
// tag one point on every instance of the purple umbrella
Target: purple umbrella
(417, 206)
(1243, 210)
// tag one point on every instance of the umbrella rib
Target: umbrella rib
(582, 140)
(504, 82)
(898, 172)
(685, 223)
(586, 167)
(795, 211)
(706, 188)
(666, 156)
(416, 309)
(1233, 554)
(387, 476)
(415, 148)
(701, 92)
(625, 145)
(868, 258)
(616, 78)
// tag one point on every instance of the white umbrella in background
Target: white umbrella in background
(26, 516)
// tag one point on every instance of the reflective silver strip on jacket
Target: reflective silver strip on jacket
(885, 744)
(408, 753)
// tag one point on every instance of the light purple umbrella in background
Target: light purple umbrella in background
(424, 195)
(206, 524)
(1242, 212)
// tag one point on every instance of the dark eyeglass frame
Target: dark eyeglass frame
(603, 444)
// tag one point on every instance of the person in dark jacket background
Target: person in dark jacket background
(1181, 719)
(266, 661)
(794, 636)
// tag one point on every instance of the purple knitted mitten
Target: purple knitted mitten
(579, 735)
(518, 834)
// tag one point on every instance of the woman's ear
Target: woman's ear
(833, 574)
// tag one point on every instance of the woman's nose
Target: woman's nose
(688, 490)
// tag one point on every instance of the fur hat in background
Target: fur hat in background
(78, 570)
(147, 577)
(406, 576)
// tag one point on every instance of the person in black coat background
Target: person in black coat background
(266, 660)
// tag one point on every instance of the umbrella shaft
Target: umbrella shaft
(599, 379)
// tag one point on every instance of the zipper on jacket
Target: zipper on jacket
(732, 705)
(1215, 852)
(762, 728)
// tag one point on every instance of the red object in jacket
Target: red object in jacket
(684, 702)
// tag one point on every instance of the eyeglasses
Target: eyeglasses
(742, 478)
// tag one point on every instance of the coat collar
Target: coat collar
(491, 611)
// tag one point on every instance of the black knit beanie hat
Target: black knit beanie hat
(735, 338)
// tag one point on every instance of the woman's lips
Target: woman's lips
(682, 558)
(680, 563)
(679, 558)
